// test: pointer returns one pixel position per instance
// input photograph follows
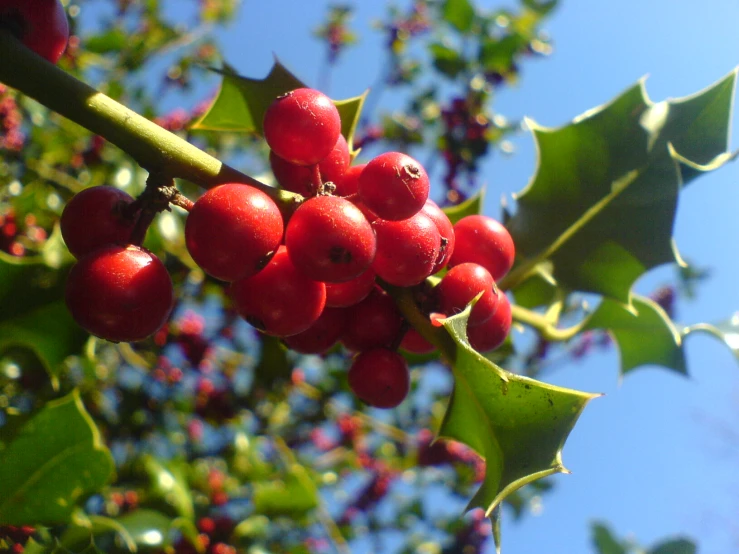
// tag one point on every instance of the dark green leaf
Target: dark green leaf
(77, 536)
(471, 206)
(538, 290)
(518, 424)
(542, 8)
(605, 542)
(111, 41)
(55, 459)
(447, 60)
(611, 165)
(629, 326)
(460, 14)
(294, 496)
(675, 546)
(498, 54)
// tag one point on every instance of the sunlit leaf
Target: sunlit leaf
(471, 206)
(623, 162)
(295, 495)
(54, 460)
(459, 13)
(726, 331)
(169, 483)
(644, 333)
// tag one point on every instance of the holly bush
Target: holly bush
(208, 435)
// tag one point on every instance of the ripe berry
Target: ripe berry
(348, 293)
(279, 300)
(302, 126)
(374, 322)
(394, 186)
(93, 218)
(330, 240)
(300, 179)
(40, 24)
(322, 335)
(406, 250)
(380, 378)
(348, 183)
(460, 285)
(483, 240)
(118, 293)
(232, 230)
(446, 231)
(493, 332)
(414, 343)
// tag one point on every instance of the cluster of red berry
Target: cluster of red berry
(313, 281)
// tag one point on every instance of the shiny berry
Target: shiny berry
(93, 218)
(118, 293)
(302, 126)
(380, 378)
(446, 231)
(348, 293)
(279, 300)
(330, 240)
(460, 285)
(394, 186)
(493, 332)
(374, 322)
(300, 179)
(232, 230)
(407, 250)
(40, 24)
(483, 240)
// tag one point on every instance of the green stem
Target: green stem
(153, 148)
(524, 271)
(543, 325)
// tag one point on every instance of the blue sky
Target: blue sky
(650, 457)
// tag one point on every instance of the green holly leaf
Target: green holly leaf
(447, 60)
(726, 331)
(625, 161)
(54, 459)
(519, 425)
(630, 324)
(169, 483)
(241, 102)
(147, 528)
(33, 316)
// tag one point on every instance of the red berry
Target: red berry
(483, 240)
(329, 239)
(348, 184)
(348, 293)
(394, 186)
(300, 179)
(374, 322)
(40, 24)
(232, 230)
(380, 378)
(406, 250)
(322, 335)
(446, 231)
(121, 294)
(302, 126)
(279, 300)
(493, 332)
(414, 343)
(93, 218)
(460, 285)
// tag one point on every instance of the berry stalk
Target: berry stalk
(153, 148)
